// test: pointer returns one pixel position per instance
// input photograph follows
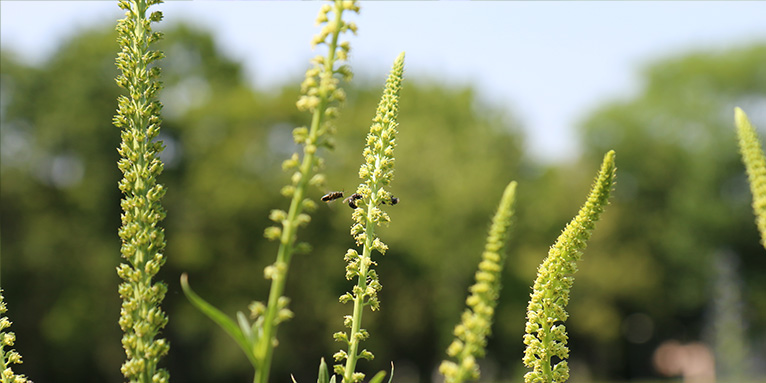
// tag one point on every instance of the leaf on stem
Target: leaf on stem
(218, 317)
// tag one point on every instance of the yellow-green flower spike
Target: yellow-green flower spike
(321, 96)
(143, 240)
(755, 163)
(476, 323)
(546, 336)
(376, 173)
(8, 357)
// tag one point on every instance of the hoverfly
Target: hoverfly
(332, 196)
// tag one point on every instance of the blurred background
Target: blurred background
(673, 280)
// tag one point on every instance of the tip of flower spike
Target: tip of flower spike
(740, 118)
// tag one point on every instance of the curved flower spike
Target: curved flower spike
(755, 163)
(376, 172)
(476, 324)
(546, 336)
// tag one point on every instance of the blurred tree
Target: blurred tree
(681, 201)
(225, 143)
(681, 198)
(59, 208)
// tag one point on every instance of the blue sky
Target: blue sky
(549, 63)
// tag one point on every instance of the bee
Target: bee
(393, 201)
(332, 196)
(351, 200)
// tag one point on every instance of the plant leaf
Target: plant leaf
(218, 317)
(323, 376)
(378, 377)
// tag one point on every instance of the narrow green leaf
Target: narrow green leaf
(323, 376)
(244, 325)
(218, 317)
(378, 377)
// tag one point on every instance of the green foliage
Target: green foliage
(10, 356)
(476, 322)
(143, 240)
(755, 163)
(685, 196)
(222, 159)
(376, 174)
(546, 336)
(681, 187)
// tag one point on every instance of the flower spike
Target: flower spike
(376, 173)
(11, 356)
(755, 163)
(546, 336)
(321, 96)
(143, 240)
(476, 324)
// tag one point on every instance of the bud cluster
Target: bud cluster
(143, 240)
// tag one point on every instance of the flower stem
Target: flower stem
(376, 173)
(319, 96)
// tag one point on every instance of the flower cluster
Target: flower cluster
(320, 96)
(755, 162)
(546, 335)
(143, 240)
(476, 322)
(8, 357)
(376, 172)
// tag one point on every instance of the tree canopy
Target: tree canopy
(681, 200)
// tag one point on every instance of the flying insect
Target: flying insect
(332, 196)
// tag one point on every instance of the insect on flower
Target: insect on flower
(351, 200)
(332, 196)
(393, 201)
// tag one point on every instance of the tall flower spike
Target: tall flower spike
(376, 173)
(755, 163)
(546, 336)
(321, 96)
(143, 240)
(476, 324)
(8, 357)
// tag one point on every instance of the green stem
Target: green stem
(265, 351)
(353, 349)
